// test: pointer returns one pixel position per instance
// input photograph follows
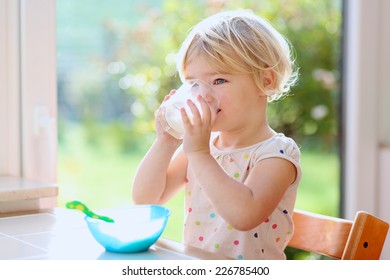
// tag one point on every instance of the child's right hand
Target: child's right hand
(160, 129)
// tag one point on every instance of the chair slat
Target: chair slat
(320, 234)
(339, 238)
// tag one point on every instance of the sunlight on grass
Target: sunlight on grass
(319, 189)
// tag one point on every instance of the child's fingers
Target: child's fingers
(186, 120)
(206, 112)
(172, 92)
(197, 118)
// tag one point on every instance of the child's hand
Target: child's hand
(197, 133)
(160, 129)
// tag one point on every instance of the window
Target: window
(28, 87)
(115, 62)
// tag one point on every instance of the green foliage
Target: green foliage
(135, 64)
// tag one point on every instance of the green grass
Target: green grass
(319, 189)
(100, 174)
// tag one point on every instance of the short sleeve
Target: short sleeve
(282, 147)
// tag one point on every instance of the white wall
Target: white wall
(367, 103)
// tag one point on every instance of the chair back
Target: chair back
(360, 239)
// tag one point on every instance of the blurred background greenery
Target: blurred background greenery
(116, 63)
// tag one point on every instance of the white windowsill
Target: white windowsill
(19, 194)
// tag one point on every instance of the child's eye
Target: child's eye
(219, 81)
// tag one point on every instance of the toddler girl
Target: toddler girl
(240, 176)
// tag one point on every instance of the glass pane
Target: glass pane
(115, 64)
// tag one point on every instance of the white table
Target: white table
(62, 234)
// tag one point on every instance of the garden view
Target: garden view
(116, 63)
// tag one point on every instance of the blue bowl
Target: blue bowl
(135, 228)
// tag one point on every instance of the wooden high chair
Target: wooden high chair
(361, 239)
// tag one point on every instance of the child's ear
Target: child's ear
(269, 79)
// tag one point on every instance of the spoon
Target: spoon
(82, 207)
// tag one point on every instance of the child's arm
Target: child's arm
(162, 172)
(243, 205)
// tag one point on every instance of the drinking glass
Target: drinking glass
(171, 119)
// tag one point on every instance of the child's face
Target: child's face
(241, 102)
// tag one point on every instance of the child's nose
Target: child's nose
(209, 97)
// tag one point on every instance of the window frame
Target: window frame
(365, 147)
(28, 98)
(10, 157)
(29, 90)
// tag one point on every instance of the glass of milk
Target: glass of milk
(171, 119)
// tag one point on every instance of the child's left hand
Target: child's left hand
(197, 133)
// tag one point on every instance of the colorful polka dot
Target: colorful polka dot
(201, 238)
(256, 235)
(246, 156)
(277, 239)
(236, 242)
(197, 223)
(186, 180)
(236, 175)
(285, 211)
(212, 215)
(281, 151)
(229, 227)
(189, 210)
(274, 226)
(216, 246)
(266, 220)
(240, 257)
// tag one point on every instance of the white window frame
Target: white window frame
(10, 161)
(28, 89)
(367, 102)
(28, 107)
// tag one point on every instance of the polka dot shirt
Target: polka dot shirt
(205, 229)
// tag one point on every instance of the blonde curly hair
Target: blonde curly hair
(239, 42)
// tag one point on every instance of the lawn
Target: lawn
(100, 174)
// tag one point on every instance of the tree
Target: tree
(139, 59)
